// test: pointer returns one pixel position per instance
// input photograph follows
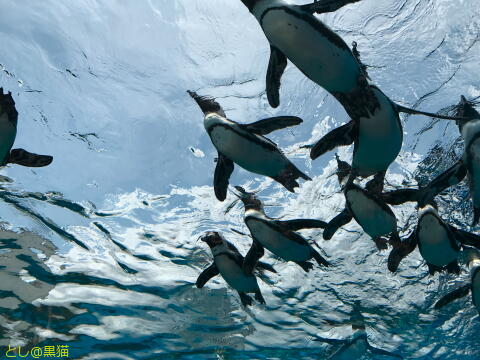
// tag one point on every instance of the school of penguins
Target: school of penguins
(375, 130)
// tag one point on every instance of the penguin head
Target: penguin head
(249, 199)
(207, 104)
(249, 4)
(466, 110)
(212, 238)
(7, 105)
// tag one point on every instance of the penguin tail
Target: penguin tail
(289, 178)
(207, 104)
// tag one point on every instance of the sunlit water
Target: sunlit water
(98, 250)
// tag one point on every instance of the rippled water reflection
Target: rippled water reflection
(98, 251)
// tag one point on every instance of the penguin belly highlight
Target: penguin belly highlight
(277, 243)
(380, 138)
(8, 132)
(314, 49)
(234, 275)
(435, 242)
(372, 217)
(249, 151)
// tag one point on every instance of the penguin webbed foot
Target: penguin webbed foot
(245, 299)
(453, 268)
(259, 297)
(381, 243)
(400, 250)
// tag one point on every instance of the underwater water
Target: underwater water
(99, 250)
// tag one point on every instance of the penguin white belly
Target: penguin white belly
(373, 219)
(234, 275)
(247, 153)
(321, 60)
(379, 139)
(277, 243)
(435, 246)
(355, 350)
(7, 136)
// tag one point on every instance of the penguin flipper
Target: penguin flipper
(276, 67)
(337, 222)
(341, 136)
(25, 158)
(206, 275)
(451, 177)
(299, 224)
(377, 351)
(324, 6)
(252, 257)
(465, 237)
(223, 170)
(266, 126)
(454, 295)
(400, 196)
(400, 251)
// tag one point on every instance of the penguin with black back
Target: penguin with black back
(8, 133)
(277, 236)
(246, 145)
(229, 263)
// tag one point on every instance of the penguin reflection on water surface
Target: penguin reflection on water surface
(245, 145)
(228, 262)
(277, 236)
(358, 345)
(8, 133)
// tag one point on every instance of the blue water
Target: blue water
(98, 251)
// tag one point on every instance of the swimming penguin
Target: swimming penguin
(376, 133)
(366, 207)
(277, 236)
(438, 242)
(8, 132)
(467, 166)
(358, 345)
(228, 262)
(473, 287)
(295, 33)
(245, 145)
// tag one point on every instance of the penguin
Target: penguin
(277, 236)
(294, 33)
(473, 287)
(228, 262)
(245, 145)
(468, 166)
(438, 242)
(366, 207)
(376, 134)
(8, 133)
(358, 345)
